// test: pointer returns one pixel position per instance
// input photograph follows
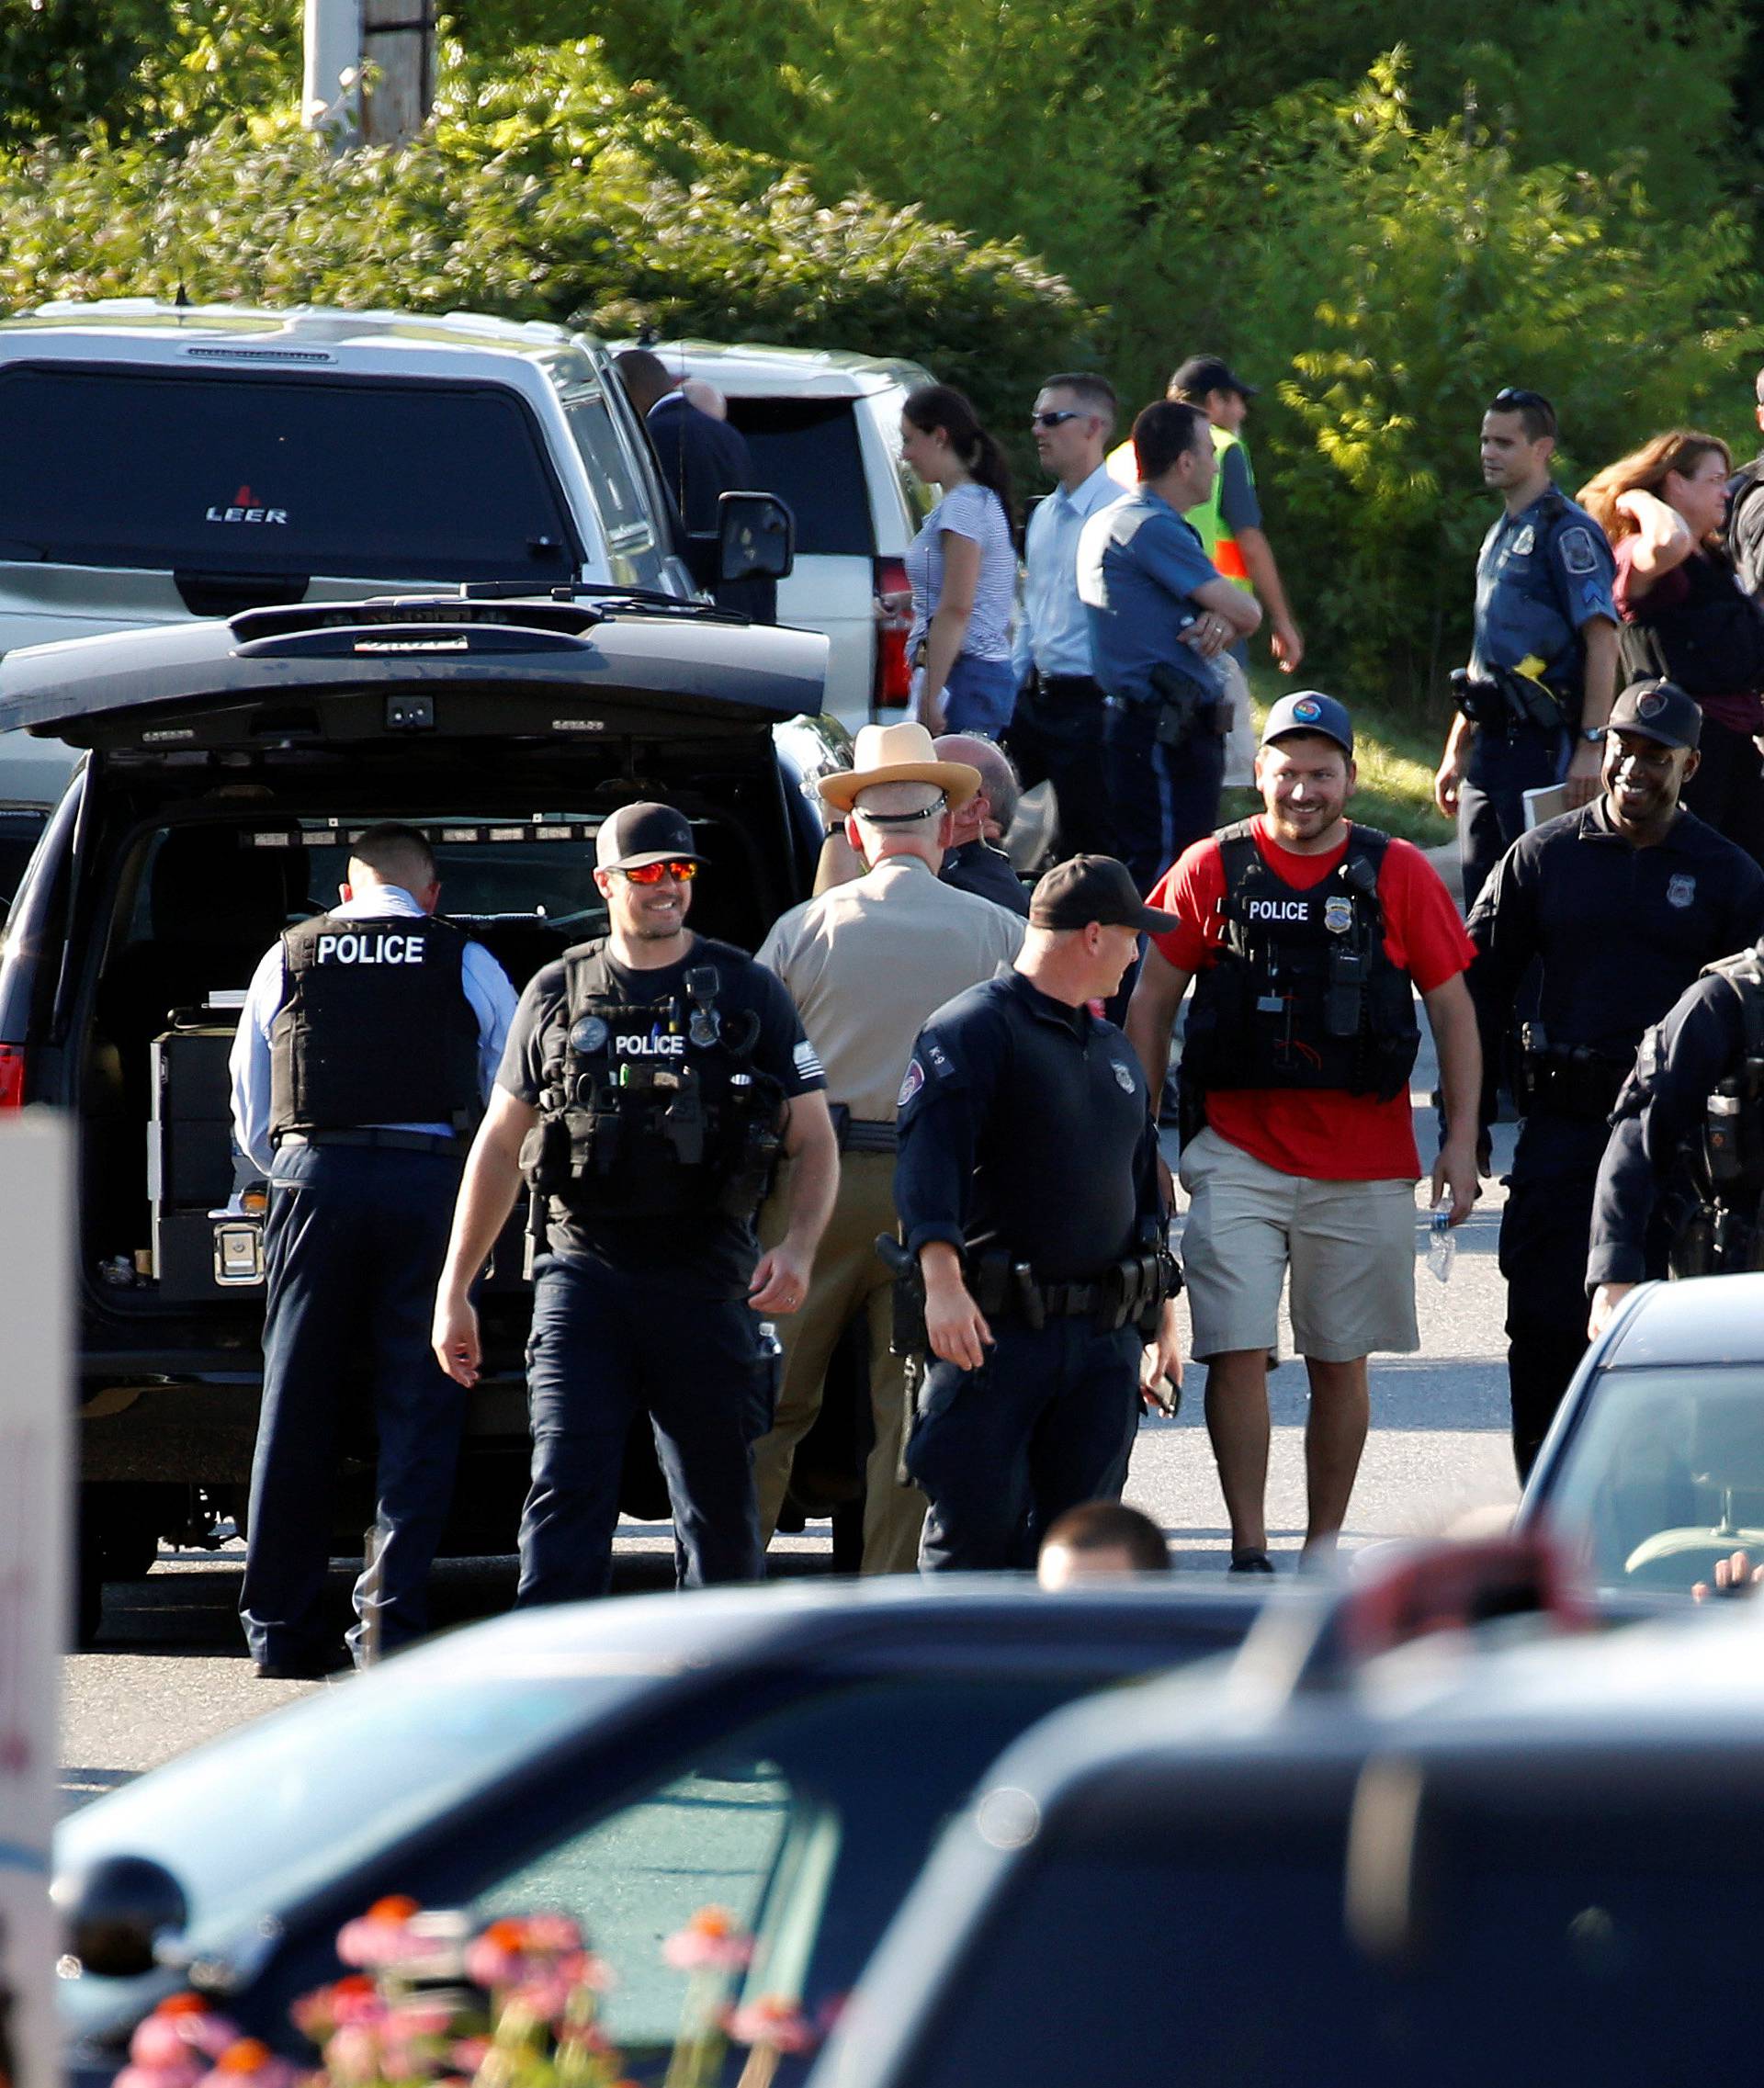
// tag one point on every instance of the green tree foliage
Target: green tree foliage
(543, 189)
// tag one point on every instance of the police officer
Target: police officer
(1620, 904)
(651, 1078)
(368, 1040)
(973, 862)
(1159, 615)
(1028, 1192)
(1679, 1186)
(1533, 702)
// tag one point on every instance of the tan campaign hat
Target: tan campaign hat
(898, 753)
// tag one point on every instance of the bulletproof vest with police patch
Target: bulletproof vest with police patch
(1302, 993)
(376, 1028)
(655, 1109)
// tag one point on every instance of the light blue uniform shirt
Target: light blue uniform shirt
(486, 987)
(1054, 630)
(1138, 565)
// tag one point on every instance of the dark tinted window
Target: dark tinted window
(219, 472)
(806, 451)
(1548, 1958)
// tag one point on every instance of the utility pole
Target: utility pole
(397, 41)
(329, 97)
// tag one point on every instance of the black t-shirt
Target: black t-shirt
(715, 1254)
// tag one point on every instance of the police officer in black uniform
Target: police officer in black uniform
(1681, 1188)
(651, 1079)
(368, 1040)
(1028, 1192)
(1533, 702)
(1622, 904)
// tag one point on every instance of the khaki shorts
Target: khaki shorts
(1351, 1247)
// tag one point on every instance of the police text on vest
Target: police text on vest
(384, 948)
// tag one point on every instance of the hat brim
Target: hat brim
(957, 782)
(1147, 920)
(653, 855)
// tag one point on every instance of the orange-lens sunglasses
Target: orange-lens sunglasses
(652, 873)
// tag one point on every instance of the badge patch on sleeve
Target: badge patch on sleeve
(910, 1086)
(1123, 1075)
(1578, 553)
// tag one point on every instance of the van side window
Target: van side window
(630, 535)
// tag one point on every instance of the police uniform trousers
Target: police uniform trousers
(608, 1345)
(1160, 798)
(1500, 768)
(1045, 1424)
(354, 1239)
(1544, 1232)
(849, 1282)
(1056, 736)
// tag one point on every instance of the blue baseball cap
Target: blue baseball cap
(1310, 711)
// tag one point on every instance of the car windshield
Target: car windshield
(1232, 1964)
(231, 472)
(1663, 1475)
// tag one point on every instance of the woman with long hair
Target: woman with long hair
(1685, 615)
(963, 567)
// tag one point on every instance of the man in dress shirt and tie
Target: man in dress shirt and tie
(1056, 732)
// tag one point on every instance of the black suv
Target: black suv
(1514, 1854)
(227, 765)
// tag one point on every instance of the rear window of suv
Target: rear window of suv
(227, 472)
(807, 451)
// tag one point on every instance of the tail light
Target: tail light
(11, 1077)
(892, 684)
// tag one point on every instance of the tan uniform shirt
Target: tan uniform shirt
(867, 965)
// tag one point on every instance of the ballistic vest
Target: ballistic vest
(1721, 1235)
(376, 1028)
(654, 1109)
(1302, 993)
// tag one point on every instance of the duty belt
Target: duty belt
(1066, 686)
(386, 1141)
(1572, 1082)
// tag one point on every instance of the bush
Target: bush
(544, 189)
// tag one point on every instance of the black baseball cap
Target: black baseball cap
(637, 834)
(1657, 710)
(1202, 374)
(1309, 710)
(1093, 888)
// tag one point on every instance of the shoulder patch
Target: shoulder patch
(910, 1087)
(1578, 552)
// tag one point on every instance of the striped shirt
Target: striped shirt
(977, 512)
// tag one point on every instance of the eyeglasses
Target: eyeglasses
(682, 871)
(1057, 419)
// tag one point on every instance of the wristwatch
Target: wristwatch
(1593, 732)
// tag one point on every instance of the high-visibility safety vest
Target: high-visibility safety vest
(1217, 539)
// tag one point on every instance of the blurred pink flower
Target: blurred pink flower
(353, 2054)
(773, 2021)
(382, 1936)
(184, 2076)
(553, 1934)
(159, 2042)
(709, 1942)
(583, 1969)
(468, 2053)
(248, 2062)
(425, 2016)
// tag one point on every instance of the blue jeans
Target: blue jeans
(1046, 1423)
(979, 696)
(353, 1241)
(608, 1345)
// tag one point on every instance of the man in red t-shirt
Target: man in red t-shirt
(1310, 935)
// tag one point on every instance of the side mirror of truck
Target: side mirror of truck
(116, 1910)
(756, 537)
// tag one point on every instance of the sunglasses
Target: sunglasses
(1513, 398)
(682, 871)
(1057, 419)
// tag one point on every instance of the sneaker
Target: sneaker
(1250, 1561)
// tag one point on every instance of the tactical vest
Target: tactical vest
(1302, 993)
(1721, 1235)
(1217, 538)
(629, 1125)
(1711, 644)
(376, 1028)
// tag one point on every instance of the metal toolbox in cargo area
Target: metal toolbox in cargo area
(204, 1243)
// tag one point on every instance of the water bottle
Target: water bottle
(1441, 1241)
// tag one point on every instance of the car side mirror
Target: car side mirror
(114, 1910)
(756, 537)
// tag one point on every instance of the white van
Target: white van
(824, 428)
(165, 462)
